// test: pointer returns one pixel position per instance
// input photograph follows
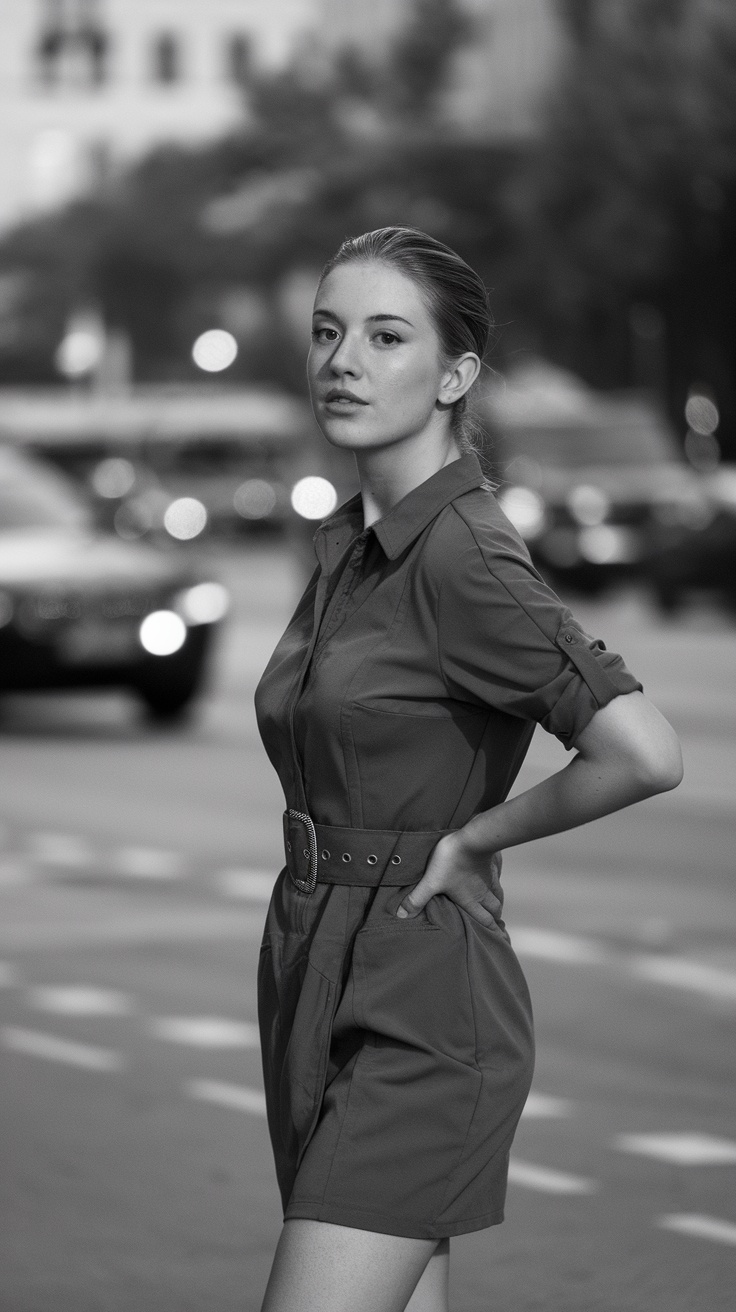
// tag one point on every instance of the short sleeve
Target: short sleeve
(506, 640)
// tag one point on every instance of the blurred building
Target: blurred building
(85, 83)
(501, 74)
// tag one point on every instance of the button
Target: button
(305, 852)
(371, 859)
(325, 854)
(288, 845)
(568, 637)
(395, 860)
(346, 857)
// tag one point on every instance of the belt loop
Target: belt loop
(306, 885)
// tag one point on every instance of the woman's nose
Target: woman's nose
(345, 359)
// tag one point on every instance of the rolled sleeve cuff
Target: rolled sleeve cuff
(599, 676)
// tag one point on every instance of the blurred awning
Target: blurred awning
(61, 416)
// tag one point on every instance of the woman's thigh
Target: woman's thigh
(320, 1267)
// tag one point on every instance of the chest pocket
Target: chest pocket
(407, 770)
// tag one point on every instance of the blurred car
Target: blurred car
(80, 608)
(595, 483)
(707, 561)
(173, 460)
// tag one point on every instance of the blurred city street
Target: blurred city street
(134, 875)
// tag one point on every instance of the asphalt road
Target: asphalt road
(134, 868)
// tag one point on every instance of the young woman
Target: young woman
(397, 710)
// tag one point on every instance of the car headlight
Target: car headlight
(205, 603)
(6, 608)
(162, 633)
(525, 508)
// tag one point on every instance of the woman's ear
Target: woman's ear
(458, 378)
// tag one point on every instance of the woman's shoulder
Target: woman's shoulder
(474, 534)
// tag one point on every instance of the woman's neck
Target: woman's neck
(387, 474)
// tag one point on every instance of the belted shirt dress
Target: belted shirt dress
(400, 701)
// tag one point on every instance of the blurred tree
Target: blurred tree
(629, 196)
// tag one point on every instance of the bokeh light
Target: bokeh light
(214, 350)
(525, 509)
(702, 414)
(255, 498)
(313, 497)
(162, 633)
(185, 518)
(79, 352)
(587, 504)
(113, 477)
(205, 603)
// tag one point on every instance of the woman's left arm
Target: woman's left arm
(627, 752)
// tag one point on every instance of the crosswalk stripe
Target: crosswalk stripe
(700, 1227)
(529, 1176)
(235, 1096)
(681, 973)
(205, 1031)
(681, 1149)
(52, 1048)
(147, 863)
(81, 1001)
(549, 945)
(543, 1105)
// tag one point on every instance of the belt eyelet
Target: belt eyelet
(395, 860)
(346, 857)
(372, 860)
(325, 854)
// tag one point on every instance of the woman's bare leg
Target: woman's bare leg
(319, 1267)
(432, 1294)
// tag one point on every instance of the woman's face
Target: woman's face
(375, 365)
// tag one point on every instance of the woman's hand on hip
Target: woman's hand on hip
(468, 878)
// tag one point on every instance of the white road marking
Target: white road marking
(700, 1227)
(205, 1031)
(8, 975)
(543, 1105)
(549, 945)
(68, 851)
(548, 1182)
(236, 1096)
(147, 863)
(54, 1049)
(681, 1149)
(681, 973)
(80, 1001)
(253, 885)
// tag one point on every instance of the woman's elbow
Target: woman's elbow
(658, 766)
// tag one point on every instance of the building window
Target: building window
(238, 58)
(73, 45)
(166, 58)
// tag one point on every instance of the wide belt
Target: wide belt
(330, 854)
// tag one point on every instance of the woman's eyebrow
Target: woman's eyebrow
(381, 318)
(372, 318)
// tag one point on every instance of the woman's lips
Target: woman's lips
(343, 402)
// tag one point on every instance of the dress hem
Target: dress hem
(361, 1218)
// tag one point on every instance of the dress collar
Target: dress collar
(403, 524)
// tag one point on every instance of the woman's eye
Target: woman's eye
(388, 339)
(324, 334)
